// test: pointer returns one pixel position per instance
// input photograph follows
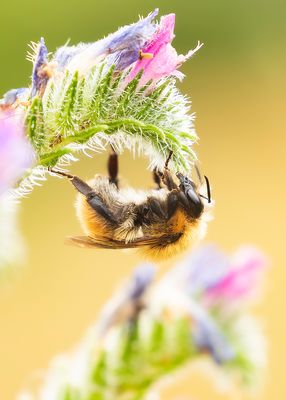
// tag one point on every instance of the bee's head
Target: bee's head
(189, 188)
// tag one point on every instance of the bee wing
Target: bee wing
(99, 242)
(107, 243)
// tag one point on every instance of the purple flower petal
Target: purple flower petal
(39, 79)
(14, 95)
(142, 278)
(127, 303)
(206, 266)
(65, 54)
(165, 60)
(208, 337)
(134, 35)
(121, 48)
(15, 152)
(201, 269)
(218, 280)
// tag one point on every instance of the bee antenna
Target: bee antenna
(168, 159)
(198, 173)
(208, 188)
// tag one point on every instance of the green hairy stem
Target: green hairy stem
(91, 112)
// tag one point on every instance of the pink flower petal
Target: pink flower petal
(242, 277)
(165, 59)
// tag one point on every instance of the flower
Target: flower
(209, 274)
(201, 269)
(206, 285)
(84, 98)
(209, 337)
(144, 45)
(240, 279)
(39, 58)
(16, 154)
(128, 302)
(12, 249)
(14, 96)
(171, 295)
(139, 345)
(121, 48)
(163, 60)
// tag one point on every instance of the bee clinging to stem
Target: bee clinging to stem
(160, 222)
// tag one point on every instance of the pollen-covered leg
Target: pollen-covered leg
(112, 167)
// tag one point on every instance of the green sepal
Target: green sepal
(35, 127)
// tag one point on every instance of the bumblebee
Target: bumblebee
(160, 222)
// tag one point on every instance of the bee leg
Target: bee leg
(157, 207)
(173, 202)
(167, 208)
(168, 180)
(98, 205)
(112, 167)
(167, 176)
(91, 197)
(168, 159)
(78, 183)
(157, 178)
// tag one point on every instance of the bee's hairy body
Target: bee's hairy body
(161, 223)
(172, 230)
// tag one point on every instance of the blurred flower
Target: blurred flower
(202, 268)
(209, 337)
(240, 279)
(15, 152)
(11, 244)
(208, 274)
(206, 285)
(128, 302)
(206, 332)
(168, 326)
(13, 97)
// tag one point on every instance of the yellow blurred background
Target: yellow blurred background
(237, 82)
